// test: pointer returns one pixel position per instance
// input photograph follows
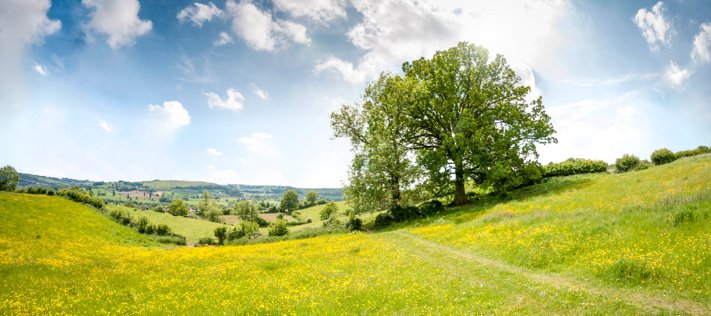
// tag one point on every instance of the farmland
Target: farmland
(633, 243)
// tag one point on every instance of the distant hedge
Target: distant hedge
(574, 166)
(693, 152)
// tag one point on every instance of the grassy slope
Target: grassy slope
(554, 248)
(192, 229)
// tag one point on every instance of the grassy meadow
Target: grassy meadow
(633, 243)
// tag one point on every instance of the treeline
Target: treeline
(75, 194)
(143, 225)
(660, 156)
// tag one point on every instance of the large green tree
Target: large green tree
(289, 201)
(475, 120)
(178, 208)
(8, 178)
(379, 127)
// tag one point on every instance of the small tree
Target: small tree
(311, 198)
(626, 163)
(278, 228)
(289, 201)
(8, 178)
(178, 208)
(221, 234)
(246, 211)
(331, 209)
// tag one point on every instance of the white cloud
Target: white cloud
(195, 73)
(40, 69)
(212, 152)
(224, 176)
(106, 126)
(394, 31)
(172, 113)
(655, 27)
(199, 13)
(317, 10)
(259, 92)
(260, 31)
(702, 45)
(118, 20)
(223, 40)
(260, 144)
(232, 102)
(22, 23)
(675, 75)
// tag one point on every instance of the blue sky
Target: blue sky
(241, 91)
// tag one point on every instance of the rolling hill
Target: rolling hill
(632, 243)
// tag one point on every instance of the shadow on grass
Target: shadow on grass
(478, 207)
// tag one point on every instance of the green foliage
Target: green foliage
(383, 219)
(574, 166)
(205, 241)
(626, 163)
(289, 201)
(693, 152)
(141, 224)
(178, 208)
(353, 223)
(278, 228)
(8, 178)
(246, 211)
(327, 212)
(221, 234)
(662, 156)
(311, 198)
(485, 132)
(80, 196)
(163, 230)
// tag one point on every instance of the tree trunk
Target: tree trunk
(460, 195)
(395, 191)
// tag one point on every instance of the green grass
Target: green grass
(635, 243)
(313, 212)
(166, 184)
(192, 229)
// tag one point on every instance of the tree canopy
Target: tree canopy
(459, 117)
(8, 178)
(289, 201)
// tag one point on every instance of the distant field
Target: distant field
(610, 244)
(192, 229)
(165, 184)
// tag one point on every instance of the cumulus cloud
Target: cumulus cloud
(212, 152)
(172, 114)
(118, 20)
(259, 92)
(22, 23)
(676, 76)
(106, 126)
(232, 102)
(224, 176)
(40, 69)
(260, 30)
(199, 13)
(655, 27)
(393, 31)
(700, 53)
(223, 40)
(317, 10)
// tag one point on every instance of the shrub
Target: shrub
(79, 196)
(278, 228)
(353, 223)
(662, 156)
(626, 163)
(329, 210)
(431, 207)
(402, 213)
(204, 241)
(162, 230)
(8, 178)
(141, 224)
(574, 166)
(178, 208)
(221, 234)
(383, 219)
(331, 221)
(150, 229)
(235, 233)
(688, 153)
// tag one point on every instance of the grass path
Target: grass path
(645, 300)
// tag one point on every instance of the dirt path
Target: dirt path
(645, 300)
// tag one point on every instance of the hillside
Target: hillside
(633, 243)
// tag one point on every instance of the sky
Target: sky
(240, 91)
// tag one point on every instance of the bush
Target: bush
(204, 241)
(431, 207)
(221, 234)
(162, 230)
(8, 178)
(383, 219)
(402, 213)
(141, 224)
(353, 223)
(626, 163)
(329, 210)
(688, 153)
(662, 156)
(235, 233)
(79, 196)
(278, 228)
(574, 166)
